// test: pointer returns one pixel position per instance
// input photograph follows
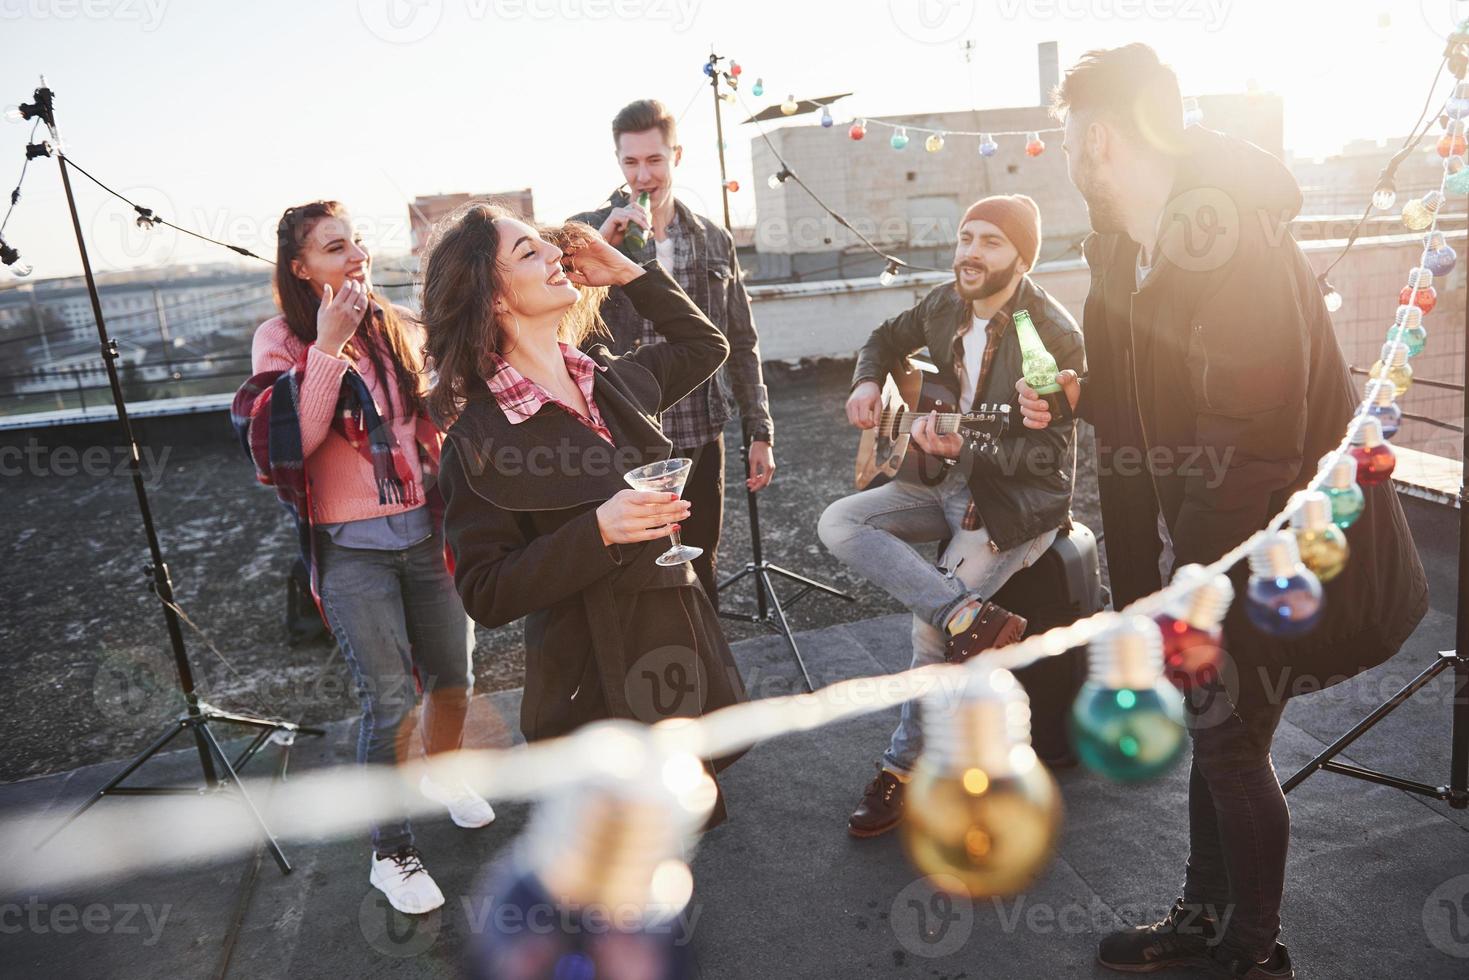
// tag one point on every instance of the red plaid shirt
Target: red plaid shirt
(521, 398)
(994, 330)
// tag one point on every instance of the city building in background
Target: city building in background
(424, 212)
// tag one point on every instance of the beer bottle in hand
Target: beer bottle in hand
(1040, 368)
(636, 235)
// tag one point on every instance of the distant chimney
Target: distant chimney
(1050, 68)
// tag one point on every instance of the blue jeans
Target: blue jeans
(1238, 820)
(874, 533)
(396, 614)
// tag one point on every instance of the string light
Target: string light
(1439, 257)
(826, 119)
(1127, 721)
(899, 139)
(758, 89)
(934, 143)
(1375, 458)
(789, 106)
(1419, 291)
(1329, 294)
(987, 145)
(889, 273)
(1034, 146)
(1192, 628)
(1393, 365)
(1192, 114)
(1284, 597)
(732, 186)
(981, 809)
(1451, 143)
(776, 179)
(10, 257)
(1340, 486)
(1322, 545)
(1408, 328)
(1419, 213)
(858, 130)
(1385, 196)
(1382, 406)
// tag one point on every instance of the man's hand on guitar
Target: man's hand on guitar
(926, 435)
(1033, 409)
(864, 404)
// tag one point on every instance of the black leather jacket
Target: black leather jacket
(1021, 483)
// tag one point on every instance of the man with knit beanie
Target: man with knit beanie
(999, 502)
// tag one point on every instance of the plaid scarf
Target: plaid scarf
(265, 418)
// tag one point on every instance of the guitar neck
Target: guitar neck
(947, 422)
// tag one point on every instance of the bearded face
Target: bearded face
(974, 280)
(1089, 175)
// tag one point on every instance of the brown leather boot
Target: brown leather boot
(988, 627)
(881, 807)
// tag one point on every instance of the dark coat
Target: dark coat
(1227, 349)
(608, 632)
(1021, 483)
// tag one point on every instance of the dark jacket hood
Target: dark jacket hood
(1250, 177)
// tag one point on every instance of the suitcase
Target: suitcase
(1064, 585)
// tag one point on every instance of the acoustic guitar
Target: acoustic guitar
(884, 452)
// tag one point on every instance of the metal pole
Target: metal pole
(719, 135)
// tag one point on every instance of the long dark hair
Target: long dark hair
(380, 337)
(461, 278)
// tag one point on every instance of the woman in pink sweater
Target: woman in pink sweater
(352, 370)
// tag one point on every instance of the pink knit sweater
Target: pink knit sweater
(342, 488)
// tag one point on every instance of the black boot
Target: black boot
(1184, 936)
(881, 807)
(1231, 963)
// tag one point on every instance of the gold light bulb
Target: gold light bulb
(981, 808)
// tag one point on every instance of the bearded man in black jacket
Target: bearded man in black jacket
(1206, 334)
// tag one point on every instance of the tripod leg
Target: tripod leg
(809, 582)
(785, 627)
(115, 781)
(1382, 710)
(270, 842)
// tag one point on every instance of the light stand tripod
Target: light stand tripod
(1456, 793)
(768, 608)
(197, 716)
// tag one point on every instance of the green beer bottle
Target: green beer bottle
(1039, 368)
(636, 236)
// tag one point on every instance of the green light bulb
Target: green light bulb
(1127, 722)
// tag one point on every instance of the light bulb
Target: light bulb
(826, 120)
(980, 809)
(1408, 328)
(13, 114)
(1384, 197)
(1393, 365)
(1457, 107)
(789, 106)
(1441, 260)
(1419, 291)
(1191, 628)
(1192, 114)
(1375, 458)
(1127, 720)
(1034, 147)
(735, 69)
(934, 143)
(22, 270)
(900, 138)
(732, 186)
(1284, 597)
(758, 89)
(775, 180)
(1452, 141)
(987, 145)
(1419, 213)
(1458, 181)
(1331, 297)
(889, 274)
(858, 130)
(1382, 406)
(1322, 544)
(709, 68)
(1340, 487)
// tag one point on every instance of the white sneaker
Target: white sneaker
(466, 807)
(403, 879)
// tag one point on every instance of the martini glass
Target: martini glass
(666, 476)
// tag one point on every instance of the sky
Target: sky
(220, 114)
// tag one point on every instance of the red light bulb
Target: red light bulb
(1192, 634)
(1424, 297)
(1375, 458)
(1034, 146)
(857, 131)
(1451, 144)
(732, 186)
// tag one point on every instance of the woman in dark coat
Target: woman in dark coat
(539, 518)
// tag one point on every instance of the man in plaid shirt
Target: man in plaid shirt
(700, 256)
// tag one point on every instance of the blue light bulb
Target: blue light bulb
(987, 145)
(826, 119)
(758, 89)
(1438, 257)
(1284, 598)
(1382, 405)
(1127, 721)
(900, 138)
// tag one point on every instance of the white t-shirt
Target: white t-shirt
(665, 253)
(974, 342)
